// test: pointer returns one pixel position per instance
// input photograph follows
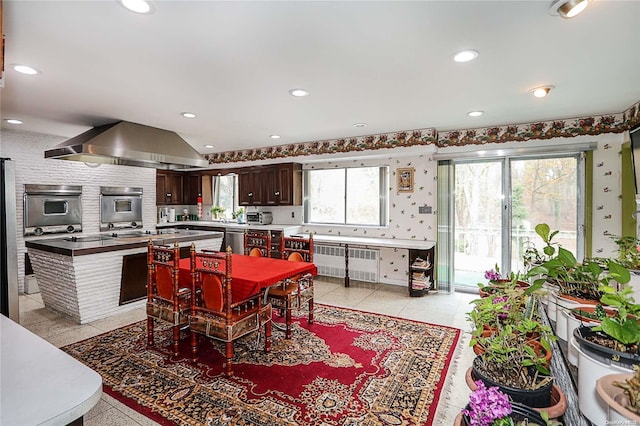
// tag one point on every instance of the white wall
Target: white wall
(27, 150)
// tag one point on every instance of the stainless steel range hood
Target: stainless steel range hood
(129, 144)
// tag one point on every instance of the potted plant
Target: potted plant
(497, 284)
(488, 406)
(618, 335)
(621, 392)
(628, 252)
(238, 215)
(217, 211)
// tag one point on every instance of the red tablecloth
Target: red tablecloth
(251, 274)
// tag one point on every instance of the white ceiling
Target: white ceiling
(387, 64)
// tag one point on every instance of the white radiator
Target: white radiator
(364, 263)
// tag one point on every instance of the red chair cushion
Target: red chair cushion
(164, 284)
(212, 292)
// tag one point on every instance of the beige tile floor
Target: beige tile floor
(386, 299)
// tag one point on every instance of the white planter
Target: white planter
(590, 370)
(551, 302)
(572, 324)
(562, 311)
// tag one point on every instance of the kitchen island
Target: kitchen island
(89, 277)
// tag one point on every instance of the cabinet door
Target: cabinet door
(175, 188)
(250, 187)
(193, 188)
(161, 189)
(271, 187)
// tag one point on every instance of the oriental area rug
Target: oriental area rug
(347, 368)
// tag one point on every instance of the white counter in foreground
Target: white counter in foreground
(39, 383)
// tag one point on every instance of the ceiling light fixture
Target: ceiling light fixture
(465, 55)
(208, 146)
(475, 113)
(13, 121)
(188, 115)
(360, 125)
(137, 6)
(298, 92)
(274, 136)
(25, 69)
(542, 91)
(568, 8)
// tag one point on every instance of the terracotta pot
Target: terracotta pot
(615, 396)
(579, 299)
(590, 310)
(558, 399)
(458, 420)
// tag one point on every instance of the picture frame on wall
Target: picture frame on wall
(405, 179)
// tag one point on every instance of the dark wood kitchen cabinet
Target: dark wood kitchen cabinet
(283, 185)
(192, 188)
(250, 187)
(169, 187)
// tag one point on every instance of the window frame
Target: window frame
(383, 207)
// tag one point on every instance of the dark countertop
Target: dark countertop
(100, 243)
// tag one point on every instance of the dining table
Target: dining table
(251, 275)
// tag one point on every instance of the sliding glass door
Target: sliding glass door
(496, 205)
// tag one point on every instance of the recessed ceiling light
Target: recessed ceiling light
(568, 8)
(188, 115)
(208, 146)
(475, 113)
(26, 69)
(360, 125)
(542, 91)
(298, 92)
(465, 55)
(13, 121)
(137, 6)
(274, 136)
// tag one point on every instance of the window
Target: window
(348, 196)
(225, 194)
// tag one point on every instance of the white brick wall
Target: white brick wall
(27, 150)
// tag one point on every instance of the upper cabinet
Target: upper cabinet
(283, 185)
(278, 185)
(169, 187)
(250, 187)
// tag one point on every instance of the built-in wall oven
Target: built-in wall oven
(120, 208)
(50, 209)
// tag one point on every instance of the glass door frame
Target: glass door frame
(447, 167)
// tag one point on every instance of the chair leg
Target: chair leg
(194, 346)
(267, 336)
(176, 340)
(311, 311)
(229, 355)
(288, 317)
(149, 331)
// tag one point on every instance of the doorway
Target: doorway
(498, 202)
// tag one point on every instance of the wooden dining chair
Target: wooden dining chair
(167, 301)
(215, 314)
(257, 244)
(294, 292)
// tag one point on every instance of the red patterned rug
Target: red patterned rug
(348, 368)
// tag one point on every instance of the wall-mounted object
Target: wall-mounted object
(405, 179)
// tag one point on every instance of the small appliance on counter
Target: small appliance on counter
(259, 218)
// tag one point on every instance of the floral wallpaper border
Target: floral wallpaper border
(594, 125)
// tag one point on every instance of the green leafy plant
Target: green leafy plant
(238, 213)
(217, 211)
(623, 325)
(628, 251)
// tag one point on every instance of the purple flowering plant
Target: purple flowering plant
(488, 407)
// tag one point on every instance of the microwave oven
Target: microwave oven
(259, 218)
